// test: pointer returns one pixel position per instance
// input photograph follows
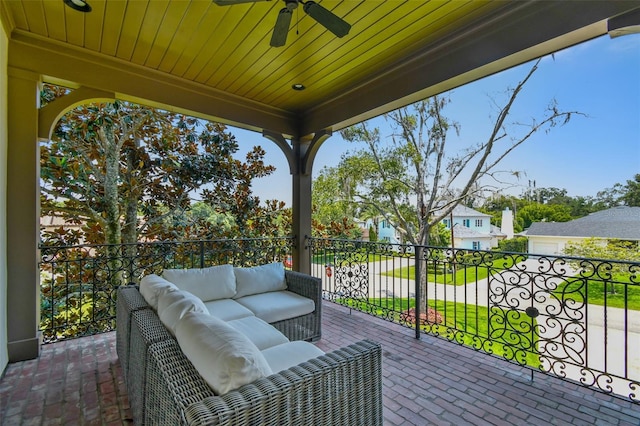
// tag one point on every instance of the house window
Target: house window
(386, 239)
(446, 222)
(478, 223)
(476, 245)
(466, 222)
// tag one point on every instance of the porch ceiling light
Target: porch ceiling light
(298, 86)
(79, 5)
(627, 23)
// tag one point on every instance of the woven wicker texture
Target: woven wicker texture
(343, 387)
(172, 384)
(340, 388)
(306, 327)
(128, 300)
(146, 329)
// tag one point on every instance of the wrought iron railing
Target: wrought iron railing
(575, 318)
(78, 283)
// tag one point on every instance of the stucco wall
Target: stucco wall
(4, 357)
(549, 244)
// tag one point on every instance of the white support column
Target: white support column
(23, 216)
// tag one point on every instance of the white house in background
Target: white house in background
(618, 223)
(472, 230)
(386, 232)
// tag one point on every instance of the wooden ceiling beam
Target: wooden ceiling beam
(134, 83)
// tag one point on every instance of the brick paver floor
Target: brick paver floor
(426, 382)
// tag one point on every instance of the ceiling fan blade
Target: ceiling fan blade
(327, 19)
(281, 29)
(232, 2)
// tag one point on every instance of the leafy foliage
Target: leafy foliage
(631, 195)
(127, 172)
(543, 213)
(409, 176)
(513, 245)
(124, 173)
(597, 248)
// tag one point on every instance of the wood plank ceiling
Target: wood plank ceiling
(226, 49)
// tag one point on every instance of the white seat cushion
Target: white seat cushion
(173, 305)
(152, 287)
(259, 279)
(227, 309)
(290, 354)
(262, 335)
(277, 305)
(216, 282)
(225, 358)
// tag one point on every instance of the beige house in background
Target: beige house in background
(618, 223)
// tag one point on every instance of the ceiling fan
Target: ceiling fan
(320, 14)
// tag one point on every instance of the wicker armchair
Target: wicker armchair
(305, 327)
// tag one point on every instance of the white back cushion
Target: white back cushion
(152, 286)
(224, 357)
(216, 282)
(260, 279)
(173, 305)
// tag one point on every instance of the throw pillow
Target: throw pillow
(260, 279)
(173, 305)
(216, 282)
(152, 287)
(223, 356)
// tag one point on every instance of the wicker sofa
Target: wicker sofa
(341, 387)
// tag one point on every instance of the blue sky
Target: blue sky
(600, 78)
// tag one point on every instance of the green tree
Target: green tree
(514, 245)
(497, 203)
(410, 178)
(597, 248)
(535, 212)
(581, 206)
(331, 197)
(128, 172)
(609, 197)
(631, 195)
(373, 234)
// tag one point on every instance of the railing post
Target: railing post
(418, 267)
(201, 254)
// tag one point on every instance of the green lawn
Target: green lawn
(509, 331)
(439, 275)
(574, 289)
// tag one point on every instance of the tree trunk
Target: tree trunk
(421, 257)
(112, 229)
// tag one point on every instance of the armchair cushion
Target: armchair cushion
(287, 355)
(225, 358)
(227, 309)
(262, 335)
(277, 305)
